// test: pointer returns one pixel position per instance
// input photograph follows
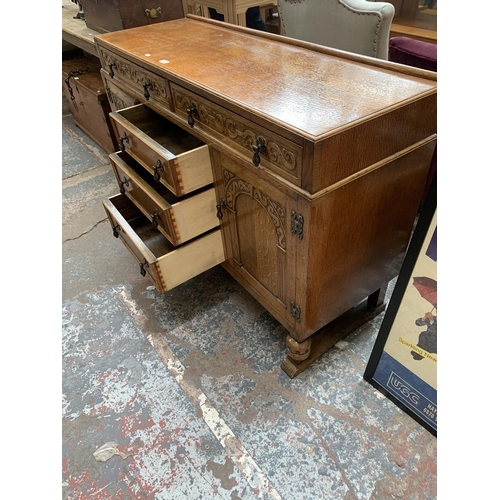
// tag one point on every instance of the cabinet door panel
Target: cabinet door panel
(257, 243)
(256, 232)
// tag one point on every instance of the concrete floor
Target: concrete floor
(185, 391)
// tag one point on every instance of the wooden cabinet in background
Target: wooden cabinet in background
(112, 15)
(88, 102)
(317, 157)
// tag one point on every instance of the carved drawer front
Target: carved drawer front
(117, 98)
(138, 80)
(178, 160)
(261, 146)
(165, 265)
(178, 219)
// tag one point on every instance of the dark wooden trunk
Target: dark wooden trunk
(113, 15)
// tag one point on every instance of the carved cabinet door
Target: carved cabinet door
(255, 220)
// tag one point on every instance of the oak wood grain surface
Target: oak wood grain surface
(179, 219)
(315, 95)
(184, 162)
(320, 218)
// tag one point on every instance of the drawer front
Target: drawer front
(174, 157)
(117, 98)
(165, 265)
(280, 155)
(149, 85)
(178, 219)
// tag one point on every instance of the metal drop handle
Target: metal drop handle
(116, 228)
(154, 218)
(123, 184)
(122, 140)
(142, 267)
(111, 72)
(192, 112)
(147, 85)
(258, 148)
(219, 207)
(156, 169)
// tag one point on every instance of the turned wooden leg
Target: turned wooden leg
(298, 351)
(300, 355)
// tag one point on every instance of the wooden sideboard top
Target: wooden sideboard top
(310, 89)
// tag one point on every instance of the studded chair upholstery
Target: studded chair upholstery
(358, 26)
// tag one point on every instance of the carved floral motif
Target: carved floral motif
(239, 133)
(133, 74)
(234, 186)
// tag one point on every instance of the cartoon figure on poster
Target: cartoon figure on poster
(427, 340)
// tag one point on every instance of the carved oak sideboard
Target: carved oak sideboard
(296, 167)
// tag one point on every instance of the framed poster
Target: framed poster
(403, 363)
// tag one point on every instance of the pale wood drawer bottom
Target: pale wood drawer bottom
(165, 265)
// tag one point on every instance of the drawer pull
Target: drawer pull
(147, 85)
(258, 148)
(219, 207)
(122, 140)
(153, 13)
(154, 218)
(111, 72)
(123, 184)
(156, 169)
(142, 267)
(192, 112)
(116, 228)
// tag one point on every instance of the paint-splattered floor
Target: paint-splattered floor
(185, 391)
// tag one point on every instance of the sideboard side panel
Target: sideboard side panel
(358, 236)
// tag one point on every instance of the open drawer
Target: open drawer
(179, 219)
(174, 157)
(165, 265)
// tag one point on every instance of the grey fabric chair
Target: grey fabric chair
(359, 26)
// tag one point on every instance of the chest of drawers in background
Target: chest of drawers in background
(298, 168)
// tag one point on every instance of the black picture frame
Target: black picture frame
(421, 231)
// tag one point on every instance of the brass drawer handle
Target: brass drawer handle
(116, 228)
(111, 72)
(154, 218)
(258, 148)
(123, 184)
(142, 267)
(147, 85)
(153, 13)
(157, 168)
(192, 112)
(122, 140)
